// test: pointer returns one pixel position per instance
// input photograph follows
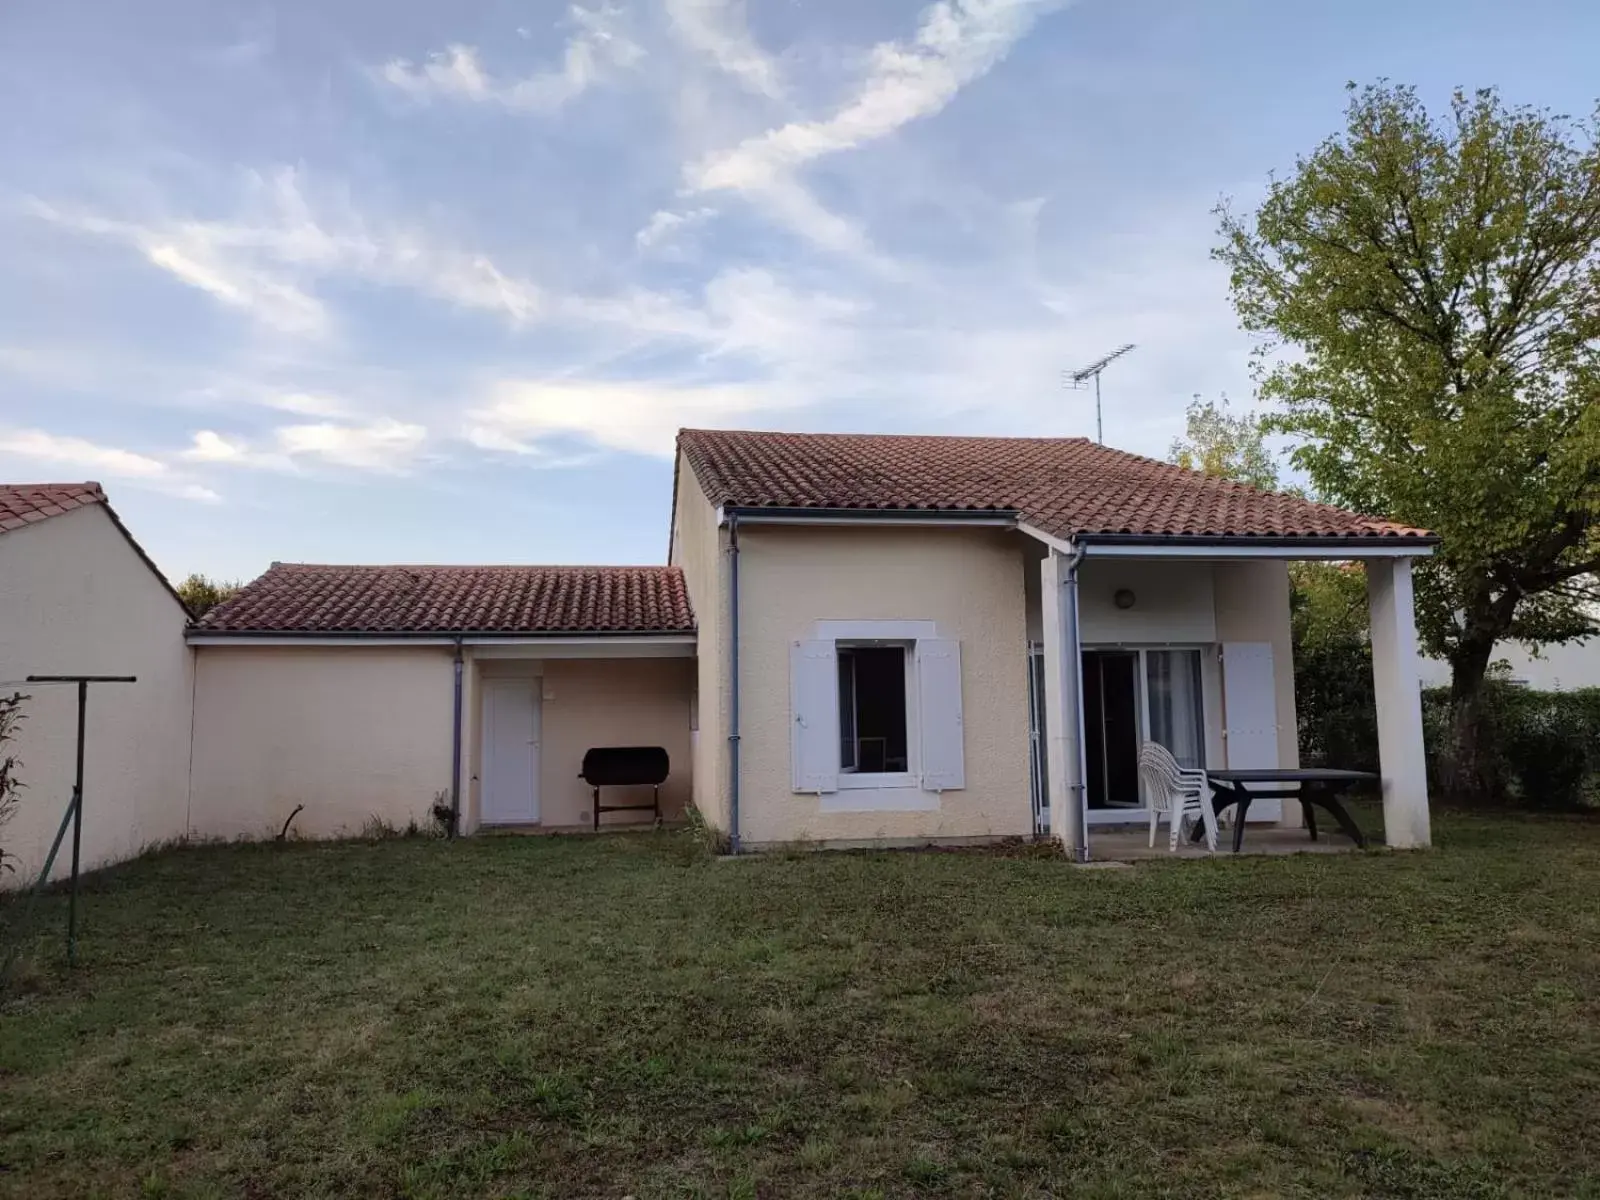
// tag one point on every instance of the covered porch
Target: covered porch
(1186, 642)
(533, 708)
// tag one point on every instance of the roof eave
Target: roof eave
(1366, 545)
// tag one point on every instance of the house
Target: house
(857, 640)
(78, 596)
(913, 638)
(1556, 667)
(366, 696)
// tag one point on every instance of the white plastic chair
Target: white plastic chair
(1177, 792)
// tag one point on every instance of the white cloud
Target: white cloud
(90, 460)
(956, 42)
(664, 226)
(265, 259)
(212, 447)
(717, 29)
(384, 445)
(80, 453)
(637, 417)
(600, 43)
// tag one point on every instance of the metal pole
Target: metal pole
(1099, 421)
(77, 830)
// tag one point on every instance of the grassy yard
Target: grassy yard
(624, 1017)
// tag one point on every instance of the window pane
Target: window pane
(873, 720)
(1173, 680)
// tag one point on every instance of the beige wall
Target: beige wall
(75, 597)
(353, 733)
(697, 551)
(970, 583)
(587, 702)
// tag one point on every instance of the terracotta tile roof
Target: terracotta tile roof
(24, 503)
(1066, 487)
(306, 598)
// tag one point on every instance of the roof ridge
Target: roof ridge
(904, 437)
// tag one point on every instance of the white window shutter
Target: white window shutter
(939, 714)
(1250, 705)
(814, 716)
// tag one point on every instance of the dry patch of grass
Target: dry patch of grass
(568, 1017)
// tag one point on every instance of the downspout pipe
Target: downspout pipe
(1078, 822)
(733, 666)
(455, 750)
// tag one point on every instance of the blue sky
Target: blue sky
(386, 280)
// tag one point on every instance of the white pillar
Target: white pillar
(1395, 680)
(1062, 676)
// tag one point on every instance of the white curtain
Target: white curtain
(1173, 680)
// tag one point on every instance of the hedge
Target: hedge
(1542, 748)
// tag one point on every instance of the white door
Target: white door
(1250, 705)
(510, 751)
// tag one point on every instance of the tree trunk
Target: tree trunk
(1465, 771)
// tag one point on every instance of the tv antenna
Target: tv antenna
(1078, 380)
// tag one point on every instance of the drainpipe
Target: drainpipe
(455, 751)
(733, 664)
(1077, 829)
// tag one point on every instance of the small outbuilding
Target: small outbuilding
(381, 697)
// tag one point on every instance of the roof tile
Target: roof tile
(308, 598)
(25, 503)
(1066, 487)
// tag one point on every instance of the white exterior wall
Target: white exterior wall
(1556, 668)
(969, 583)
(353, 733)
(76, 598)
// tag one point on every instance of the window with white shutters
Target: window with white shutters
(876, 712)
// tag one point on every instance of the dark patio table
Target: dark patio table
(1315, 787)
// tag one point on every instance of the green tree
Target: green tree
(201, 594)
(1218, 442)
(1438, 282)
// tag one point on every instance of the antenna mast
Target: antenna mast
(1077, 380)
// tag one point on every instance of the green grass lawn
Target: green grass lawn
(624, 1016)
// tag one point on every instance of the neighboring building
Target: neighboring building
(367, 695)
(858, 640)
(893, 632)
(1560, 667)
(78, 596)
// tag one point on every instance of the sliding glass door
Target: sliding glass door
(1130, 697)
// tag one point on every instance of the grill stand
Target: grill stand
(654, 806)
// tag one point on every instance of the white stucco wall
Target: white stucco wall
(76, 598)
(697, 551)
(587, 702)
(353, 733)
(1561, 668)
(970, 583)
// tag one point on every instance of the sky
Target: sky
(407, 281)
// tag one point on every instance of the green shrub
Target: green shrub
(1542, 748)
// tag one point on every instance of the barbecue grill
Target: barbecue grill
(625, 766)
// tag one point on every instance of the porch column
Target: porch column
(1396, 682)
(1062, 675)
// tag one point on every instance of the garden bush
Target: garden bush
(1543, 747)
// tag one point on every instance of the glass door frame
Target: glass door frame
(1141, 814)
